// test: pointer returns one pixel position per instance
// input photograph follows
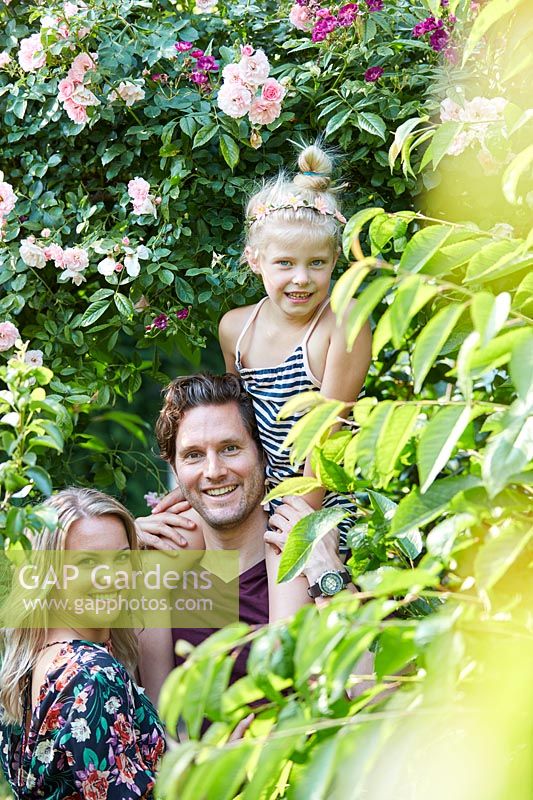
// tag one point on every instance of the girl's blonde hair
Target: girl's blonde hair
(311, 187)
(20, 647)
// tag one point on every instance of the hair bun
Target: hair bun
(315, 169)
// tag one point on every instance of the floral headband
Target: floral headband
(261, 210)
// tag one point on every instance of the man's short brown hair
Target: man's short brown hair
(202, 389)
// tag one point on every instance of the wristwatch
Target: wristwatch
(330, 582)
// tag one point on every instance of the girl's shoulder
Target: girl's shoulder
(232, 323)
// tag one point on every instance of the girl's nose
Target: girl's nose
(301, 278)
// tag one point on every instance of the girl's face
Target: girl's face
(295, 268)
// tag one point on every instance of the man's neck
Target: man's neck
(247, 537)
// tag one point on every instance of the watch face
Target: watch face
(330, 583)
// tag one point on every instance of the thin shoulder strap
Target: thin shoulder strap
(315, 321)
(249, 321)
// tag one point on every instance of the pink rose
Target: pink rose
(70, 9)
(450, 110)
(301, 17)
(34, 358)
(254, 69)
(232, 74)
(263, 112)
(31, 54)
(8, 198)
(81, 64)
(247, 50)
(75, 112)
(234, 100)
(273, 91)
(66, 88)
(5, 58)
(8, 335)
(138, 189)
(75, 259)
(54, 252)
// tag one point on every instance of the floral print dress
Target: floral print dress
(94, 734)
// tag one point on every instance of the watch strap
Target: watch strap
(315, 591)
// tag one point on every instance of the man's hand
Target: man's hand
(161, 530)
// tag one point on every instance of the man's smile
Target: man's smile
(221, 490)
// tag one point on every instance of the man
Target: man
(207, 433)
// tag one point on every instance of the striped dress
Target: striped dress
(270, 388)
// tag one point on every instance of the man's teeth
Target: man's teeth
(222, 490)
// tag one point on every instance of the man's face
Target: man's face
(218, 466)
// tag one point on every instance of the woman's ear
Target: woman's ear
(252, 258)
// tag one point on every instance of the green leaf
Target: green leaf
(442, 139)
(124, 305)
(441, 539)
(499, 552)
(372, 123)
(489, 313)
(390, 581)
(489, 261)
(355, 225)
(331, 475)
(41, 479)
(412, 295)
(230, 150)
(303, 401)
(498, 351)
(438, 440)
(302, 538)
(487, 17)
(15, 521)
(369, 435)
(510, 451)
(400, 136)
(519, 166)
(308, 431)
(94, 312)
(416, 510)
(366, 303)
(319, 771)
(296, 486)
(347, 285)
(188, 125)
(393, 437)
(396, 648)
(432, 339)
(205, 134)
(423, 246)
(523, 298)
(521, 368)
(464, 360)
(337, 122)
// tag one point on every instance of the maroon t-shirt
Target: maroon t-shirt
(253, 609)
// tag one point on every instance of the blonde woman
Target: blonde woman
(73, 723)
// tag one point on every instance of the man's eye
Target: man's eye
(231, 448)
(192, 456)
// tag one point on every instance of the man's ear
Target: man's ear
(252, 257)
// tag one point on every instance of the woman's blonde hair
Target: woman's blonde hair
(20, 647)
(312, 186)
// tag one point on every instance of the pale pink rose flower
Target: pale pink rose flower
(205, 5)
(301, 17)
(146, 206)
(254, 69)
(234, 100)
(46, 232)
(8, 198)
(66, 88)
(70, 9)
(263, 112)
(232, 74)
(5, 58)
(247, 50)
(459, 143)
(34, 358)
(76, 277)
(131, 262)
(75, 259)
(55, 253)
(8, 336)
(138, 189)
(84, 97)
(32, 254)
(483, 109)
(107, 266)
(83, 32)
(75, 112)
(31, 55)
(488, 163)
(449, 110)
(81, 64)
(64, 31)
(125, 240)
(130, 92)
(273, 91)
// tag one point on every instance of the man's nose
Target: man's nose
(214, 467)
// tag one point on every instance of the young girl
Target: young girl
(290, 342)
